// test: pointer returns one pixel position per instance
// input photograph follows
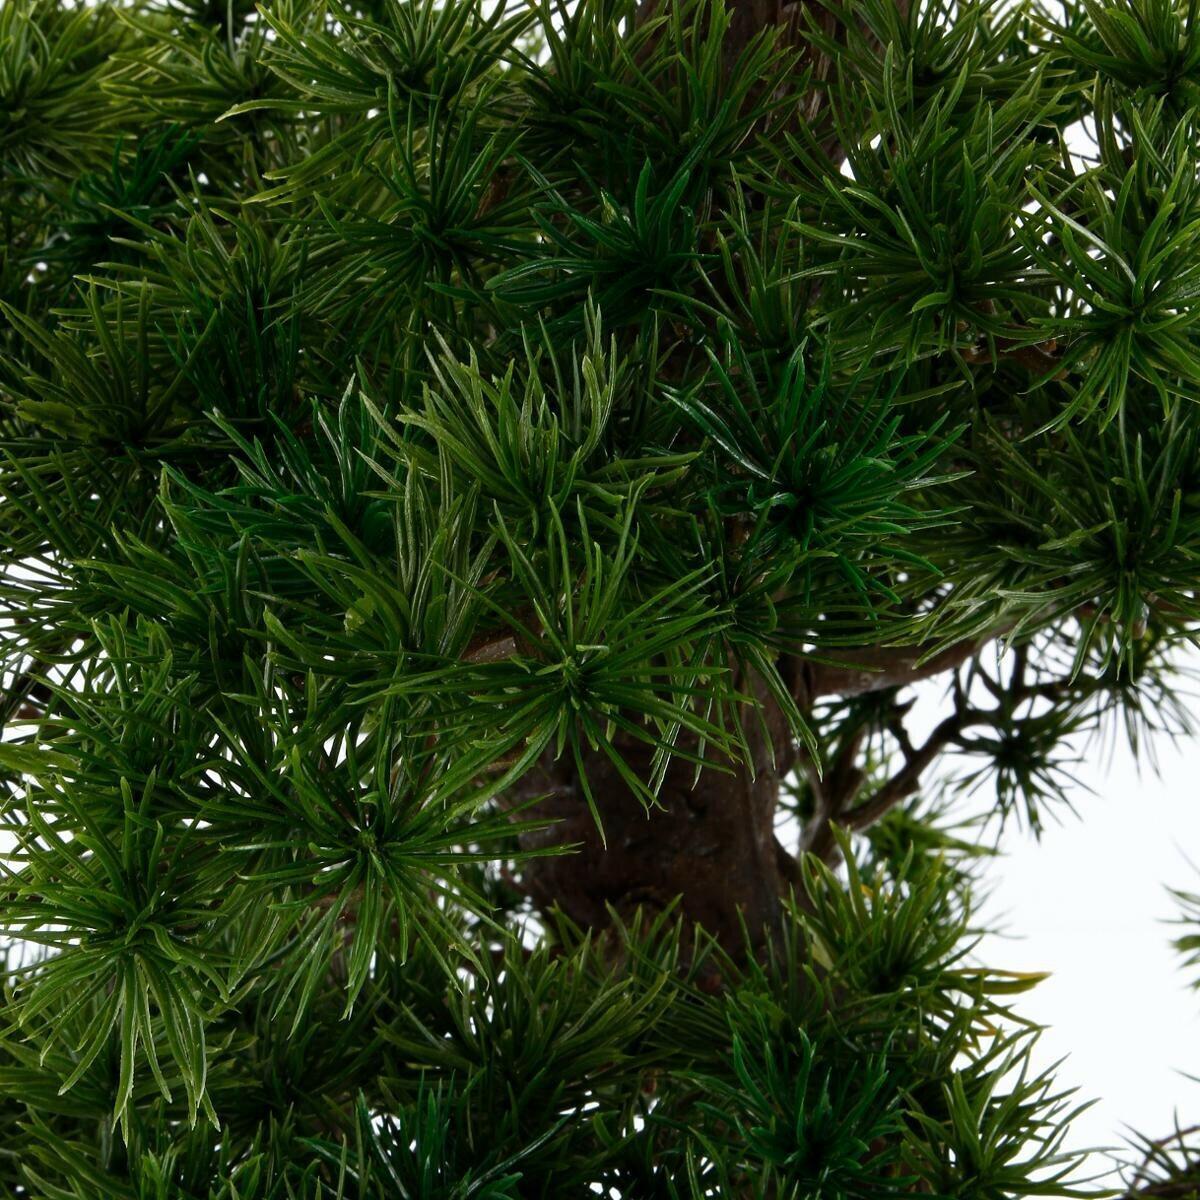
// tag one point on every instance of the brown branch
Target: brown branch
(874, 668)
(25, 700)
(818, 838)
(835, 794)
(907, 780)
(818, 835)
(491, 649)
(1173, 1157)
(1041, 359)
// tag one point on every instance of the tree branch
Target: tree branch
(834, 794)
(908, 779)
(875, 668)
(817, 837)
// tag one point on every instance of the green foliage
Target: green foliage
(1150, 47)
(1168, 1166)
(403, 401)
(1125, 229)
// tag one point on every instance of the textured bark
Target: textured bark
(711, 844)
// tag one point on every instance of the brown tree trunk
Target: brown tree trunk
(711, 844)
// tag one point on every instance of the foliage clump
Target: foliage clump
(411, 409)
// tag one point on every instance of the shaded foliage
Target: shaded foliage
(397, 397)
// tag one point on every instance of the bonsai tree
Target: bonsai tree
(479, 485)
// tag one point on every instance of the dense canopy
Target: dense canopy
(478, 484)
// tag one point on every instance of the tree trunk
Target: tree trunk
(711, 844)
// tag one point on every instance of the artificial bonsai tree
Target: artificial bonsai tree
(479, 484)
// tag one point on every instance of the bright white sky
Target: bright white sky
(1089, 903)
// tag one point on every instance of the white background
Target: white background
(1089, 903)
